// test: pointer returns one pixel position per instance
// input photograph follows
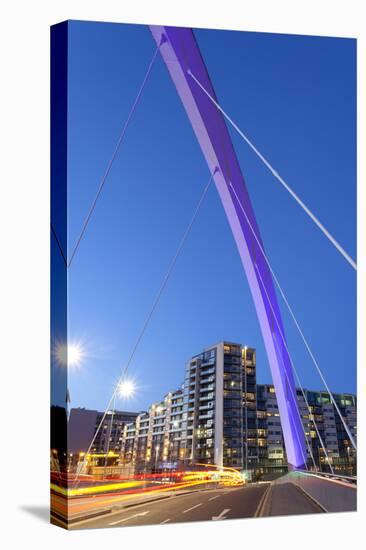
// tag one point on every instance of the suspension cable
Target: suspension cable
(294, 398)
(292, 393)
(330, 237)
(295, 321)
(114, 154)
(53, 231)
(296, 374)
(113, 411)
(151, 312)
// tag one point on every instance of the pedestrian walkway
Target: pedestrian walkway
(286, 499)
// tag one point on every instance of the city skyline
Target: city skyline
(220, 415)
(123, 286)
(131, 404)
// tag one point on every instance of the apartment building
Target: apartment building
(222, 416)
(84, 423)
(220, 403)
(153, 441)
(212, 420)
(322, 426)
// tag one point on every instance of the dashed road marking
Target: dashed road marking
(193, 507)
(130, 517)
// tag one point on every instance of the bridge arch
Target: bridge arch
(182, 57)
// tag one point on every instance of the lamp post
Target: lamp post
(156, 456)
(126, 389)
(348, 459)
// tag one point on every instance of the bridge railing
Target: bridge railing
(341, 477)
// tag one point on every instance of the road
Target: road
(287, 499)
(213, 505)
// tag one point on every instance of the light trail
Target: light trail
(74, 502)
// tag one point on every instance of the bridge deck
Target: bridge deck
(333, 495)
(287, 499)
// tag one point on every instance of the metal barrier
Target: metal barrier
(341, 477)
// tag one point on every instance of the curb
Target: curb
(119, 508)
(70, 521)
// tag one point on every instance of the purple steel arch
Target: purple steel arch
(181, 55)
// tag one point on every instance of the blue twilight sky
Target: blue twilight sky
(295, 97)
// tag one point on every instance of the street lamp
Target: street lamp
(348, 459)
(126, 388)
(156, 456)
(70, 354)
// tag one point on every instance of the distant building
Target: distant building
(154, 440)
(81, 428)
(321, 419)
(110, 434)
(84, 423)
(223, 417)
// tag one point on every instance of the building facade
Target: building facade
(220, 406)
(82, 430)
(110, 434)
(153, 441)
(222, 416)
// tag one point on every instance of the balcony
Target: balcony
(207, 380)
(208, 415)
(210, 387)
(205, 407)
(207, 397)
(208, 363)
(206, 372)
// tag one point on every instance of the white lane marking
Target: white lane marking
(213, 498)
(165, 521)
(221, 516)
(193, 507)
(130, 517)
(262, 505)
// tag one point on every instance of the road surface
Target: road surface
(212, 505)
(287, 499)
